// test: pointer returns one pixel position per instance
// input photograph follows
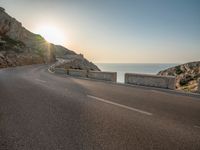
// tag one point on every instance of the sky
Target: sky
(116, 31)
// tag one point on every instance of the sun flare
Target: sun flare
(52, 34)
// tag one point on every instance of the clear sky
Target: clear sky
(117, 31)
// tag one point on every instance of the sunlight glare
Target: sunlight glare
(52, 34)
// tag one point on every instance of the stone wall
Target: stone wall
(150, 80)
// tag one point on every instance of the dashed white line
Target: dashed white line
(40, 80)
(120, 105)
(197, 126)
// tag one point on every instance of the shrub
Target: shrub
(178, 70)
(185, 80)
(39, 37)
(12, 42)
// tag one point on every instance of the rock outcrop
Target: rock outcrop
(187, 75)
(75, 63)
(18, 46)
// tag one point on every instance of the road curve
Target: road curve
(43, 111)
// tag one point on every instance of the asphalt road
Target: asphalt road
(44, 111)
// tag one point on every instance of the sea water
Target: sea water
(122, 68)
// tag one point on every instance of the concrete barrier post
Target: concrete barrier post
(106, 76)
(198, 86)
(150, 80)
(77, 73)
(171, 82)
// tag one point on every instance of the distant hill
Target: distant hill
(187, 75)
(18, 47)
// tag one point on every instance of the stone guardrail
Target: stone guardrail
(166, 82)
(150, 80)
(77, 73)
(59, 70)
(107, 76)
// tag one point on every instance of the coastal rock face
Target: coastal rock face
(18, 46)
(187, 75)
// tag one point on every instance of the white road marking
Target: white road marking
(120, 105)
(50, 71)
(40, 80)
(197, 126)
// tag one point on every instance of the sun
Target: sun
(52, 34)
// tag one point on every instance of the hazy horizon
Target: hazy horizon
(130, 31)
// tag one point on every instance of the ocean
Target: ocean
(122, 68)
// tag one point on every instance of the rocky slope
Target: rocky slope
(187, 75)
(18, 46)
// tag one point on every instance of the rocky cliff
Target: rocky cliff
(187, 75)
(18, 46)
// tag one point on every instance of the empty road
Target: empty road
(44, 111)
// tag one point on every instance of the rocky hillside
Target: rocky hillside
(187, 75)
(18, 46)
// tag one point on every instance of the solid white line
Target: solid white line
(50, 71)
(120, 105)
(40, 80)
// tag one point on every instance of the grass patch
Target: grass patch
(40, 52)
(39, 37)
(12, 42)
